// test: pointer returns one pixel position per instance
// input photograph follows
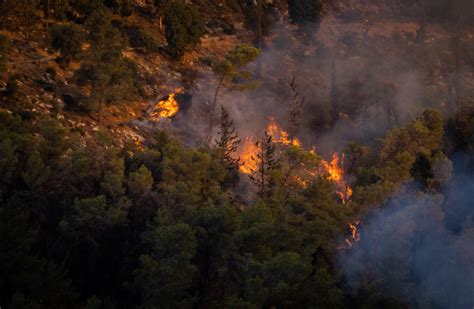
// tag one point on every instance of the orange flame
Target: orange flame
(353, 227)
(247, 156)
(279, 135)
(165, 108)
(333, 169)
(354, 235)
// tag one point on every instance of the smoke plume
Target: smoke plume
(419, 248)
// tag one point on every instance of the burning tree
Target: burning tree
(231, 73)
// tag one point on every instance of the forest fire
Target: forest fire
(333, 169)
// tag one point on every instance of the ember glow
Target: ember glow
(353, 227)
(354, 235)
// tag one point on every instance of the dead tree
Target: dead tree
(296, 107)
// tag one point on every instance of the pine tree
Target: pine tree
(111, 76)
(229, 140)
(183, 28)
(232, 74)
(267, 162)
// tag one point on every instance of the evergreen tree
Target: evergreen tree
(233, 74)
(266, 162)
(165, 275)
(111, 76)
(140, 181)
(228, 141)
(183, 28)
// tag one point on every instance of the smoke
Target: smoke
(384, 75)
(418, 248)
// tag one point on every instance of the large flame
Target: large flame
(247, 156)
(333, 169)
(279, 135)
(335, 172)
(166, 108)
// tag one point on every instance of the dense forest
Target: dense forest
(236, 154)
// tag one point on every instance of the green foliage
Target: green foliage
(166, 274)
(228, 141)
(232, 73)
(114, 177)
(305, 11)
(102, 34)
(111, 76)
(183, 28)
(399, 152)
(140, 182)
(257, 19)
(266, 162)
(68, 39)
(158, 227)
(36, 173)
(190, 178)
(232, 70)
(141, 39)
(283, 275)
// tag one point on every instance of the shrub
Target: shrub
(184, 28)
(68, 39)
(138, 38)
